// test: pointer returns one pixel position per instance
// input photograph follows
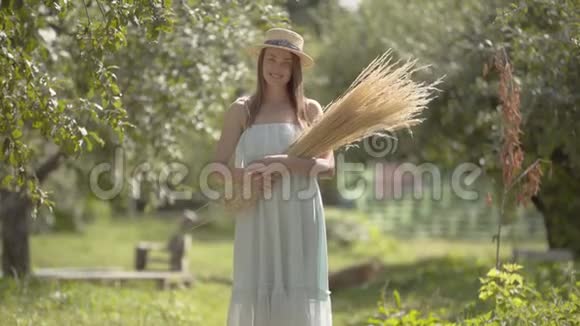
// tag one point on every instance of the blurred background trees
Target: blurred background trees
(458, 39)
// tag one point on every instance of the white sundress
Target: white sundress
(280, 269)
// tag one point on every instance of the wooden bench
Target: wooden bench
(174, 254)
(171, 257)
(164, 279)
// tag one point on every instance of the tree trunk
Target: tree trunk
(559, 204)
(547, 221)
(15, 247)
(15, 208)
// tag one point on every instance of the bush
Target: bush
(507, 300)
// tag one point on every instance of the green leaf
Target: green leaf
(96, 138)
(115, 89)
(7, 181)
(397, 298)
(37, 124)
(12, 159)
(493, 272)
(117, 103)
(16, 133)
(89, 144)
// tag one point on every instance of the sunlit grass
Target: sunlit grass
(429, 273)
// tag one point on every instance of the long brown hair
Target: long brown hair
(295, 90)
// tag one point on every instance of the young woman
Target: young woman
(280, 254)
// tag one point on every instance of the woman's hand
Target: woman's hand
(285, 164)
(268, 164)
(269, 159)
(241, 176)
(268, 170)
(259, 182)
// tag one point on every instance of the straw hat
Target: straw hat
(282, 38)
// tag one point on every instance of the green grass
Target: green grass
(437, 274)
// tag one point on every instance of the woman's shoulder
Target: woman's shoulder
(312, 104)
(238, 109)
(241, 101)
(313, 108)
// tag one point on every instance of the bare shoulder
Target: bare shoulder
(313, 108)
(238, 111)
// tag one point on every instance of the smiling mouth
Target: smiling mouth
(276, 76)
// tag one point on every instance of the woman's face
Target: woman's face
(277, 66)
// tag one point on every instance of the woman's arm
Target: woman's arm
(232, 129)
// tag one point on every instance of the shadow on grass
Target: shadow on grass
(430, 284)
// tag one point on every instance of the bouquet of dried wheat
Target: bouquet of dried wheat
(383, 98)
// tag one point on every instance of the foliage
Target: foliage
(438, 33)
(459, 39)
(513, 302)
(177, 92)
(37, 98)
(541, 39)
(398, 316)
(135, 75)
(546, 55)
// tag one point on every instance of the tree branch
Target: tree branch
(87, 12)
(8, 198)
(101, 9)
(48, 166)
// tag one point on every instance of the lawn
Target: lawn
(429, 274)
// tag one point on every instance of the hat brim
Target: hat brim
(305, 59)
